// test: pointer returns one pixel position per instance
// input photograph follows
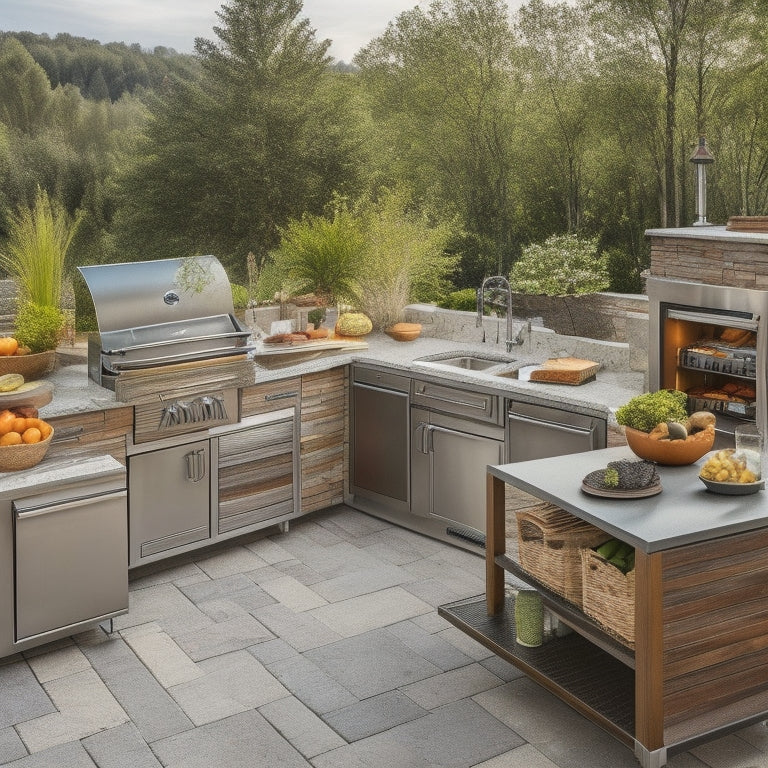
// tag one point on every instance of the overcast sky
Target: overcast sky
(350, 24)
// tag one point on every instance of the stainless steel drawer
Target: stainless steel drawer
(479, 406)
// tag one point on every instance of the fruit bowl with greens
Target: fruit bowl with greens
(658, 428)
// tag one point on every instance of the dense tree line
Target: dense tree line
(562, 118)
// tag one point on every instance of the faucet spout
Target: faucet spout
(499, 282)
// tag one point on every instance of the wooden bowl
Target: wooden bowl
(670, 452)
(31, 367)
(403, 331)
(16, 457)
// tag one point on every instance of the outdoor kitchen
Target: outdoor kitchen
(179, 432)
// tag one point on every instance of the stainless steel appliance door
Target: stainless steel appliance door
(380, 442)
(71, 562)
(170, 493)
(538, 432)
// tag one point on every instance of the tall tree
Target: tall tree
(442, 88)
(258, 140)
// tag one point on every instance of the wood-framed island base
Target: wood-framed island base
(699, 668)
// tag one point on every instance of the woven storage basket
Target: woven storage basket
(31, 367)
(16, 457)
(609, 596)
(549, 544)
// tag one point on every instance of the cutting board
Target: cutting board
(281, 355)
(565, 370)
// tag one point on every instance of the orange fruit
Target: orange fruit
(45, 428)
(19, 424)
(8, 345)
(6, 421)
(23, 350)
(10, 438)
(31, 435)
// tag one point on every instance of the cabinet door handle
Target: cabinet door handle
(421, 438)
(195, 465)
(281, 396)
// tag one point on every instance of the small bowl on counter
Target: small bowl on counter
(403, 331)
(31, 366)
(14, 458)
(674, 453)
(733, 489)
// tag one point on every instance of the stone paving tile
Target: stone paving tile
(311, 685)
(361, 582)
(460, 581)
(398, 546)
(85, 706)
(729, 751)
(120, 747)
(235, 682)
(161, 655)
(432, 647)
(58, 663)
(269, 572)
(465, 643)
(361, 614)
(299, 571)
(371, 663)
(272, 650)
(150, 706)
(551, 726)
(11, 746)
(300, 630)
(70, 755)
(293, 594)
(165, 604)
(502, 669)
(184, 572)
(451, 686)
(269, 551)
(458, 735)
(347, 523)
(231, 561)
(245, 740)
(301, 727)
(223, 637)
(373, 715)
(432, 591)
(23, 698)
(522, 757)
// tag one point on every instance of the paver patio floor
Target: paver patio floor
(317, 647)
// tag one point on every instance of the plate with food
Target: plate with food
(732, 473)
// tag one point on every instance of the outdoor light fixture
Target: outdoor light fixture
(701, 158)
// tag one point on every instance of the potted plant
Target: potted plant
(658, 428)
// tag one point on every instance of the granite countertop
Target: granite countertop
(685, 512)
(74, 392)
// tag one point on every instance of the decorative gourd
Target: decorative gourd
(353, 324)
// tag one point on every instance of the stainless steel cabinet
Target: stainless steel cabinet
(170, 495)
(380, 454)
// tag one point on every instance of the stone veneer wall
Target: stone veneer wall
(736, 263)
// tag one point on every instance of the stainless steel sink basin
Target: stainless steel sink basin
(469, 362)
(507, 374)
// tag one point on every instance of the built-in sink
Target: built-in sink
(511, 374)
(469, 362)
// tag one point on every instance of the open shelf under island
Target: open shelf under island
(699, 667)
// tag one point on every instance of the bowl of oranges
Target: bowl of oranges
(24, 441)
(16, 358)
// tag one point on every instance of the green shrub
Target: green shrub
(39, 327)
(239, 296)
(561, 265)
(463, 301)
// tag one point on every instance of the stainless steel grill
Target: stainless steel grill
(184, 311)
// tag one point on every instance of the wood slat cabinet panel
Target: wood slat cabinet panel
(92, 431)
(270, 396)
(715, 625)
(324, 438)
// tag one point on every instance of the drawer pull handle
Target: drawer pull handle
(281, 396)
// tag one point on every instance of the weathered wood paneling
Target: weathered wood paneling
(270, 396)
(92, 431)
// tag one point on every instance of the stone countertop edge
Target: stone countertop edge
(52, 474)
(74, 392)
(685, 512)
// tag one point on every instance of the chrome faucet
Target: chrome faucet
(501, 282)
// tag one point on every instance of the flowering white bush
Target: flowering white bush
(561, 265)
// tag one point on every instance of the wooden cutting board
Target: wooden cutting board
(565, 370)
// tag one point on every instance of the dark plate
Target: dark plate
(733, 489)
(593, 485)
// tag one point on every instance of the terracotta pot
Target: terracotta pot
(670, 452)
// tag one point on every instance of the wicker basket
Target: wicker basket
(549, 544)
(609, 596)
(16, 457)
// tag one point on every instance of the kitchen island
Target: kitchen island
(698, 666)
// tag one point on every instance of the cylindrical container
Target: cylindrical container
(529, 618)
(749, 442)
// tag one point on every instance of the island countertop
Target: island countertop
(685, 512)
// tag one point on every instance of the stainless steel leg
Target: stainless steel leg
(108, 623)
(284, 526)
(648, 759)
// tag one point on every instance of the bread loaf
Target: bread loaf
(565, 370)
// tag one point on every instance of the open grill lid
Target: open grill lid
(154, 313)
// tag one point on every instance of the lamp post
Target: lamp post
(701, 158)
